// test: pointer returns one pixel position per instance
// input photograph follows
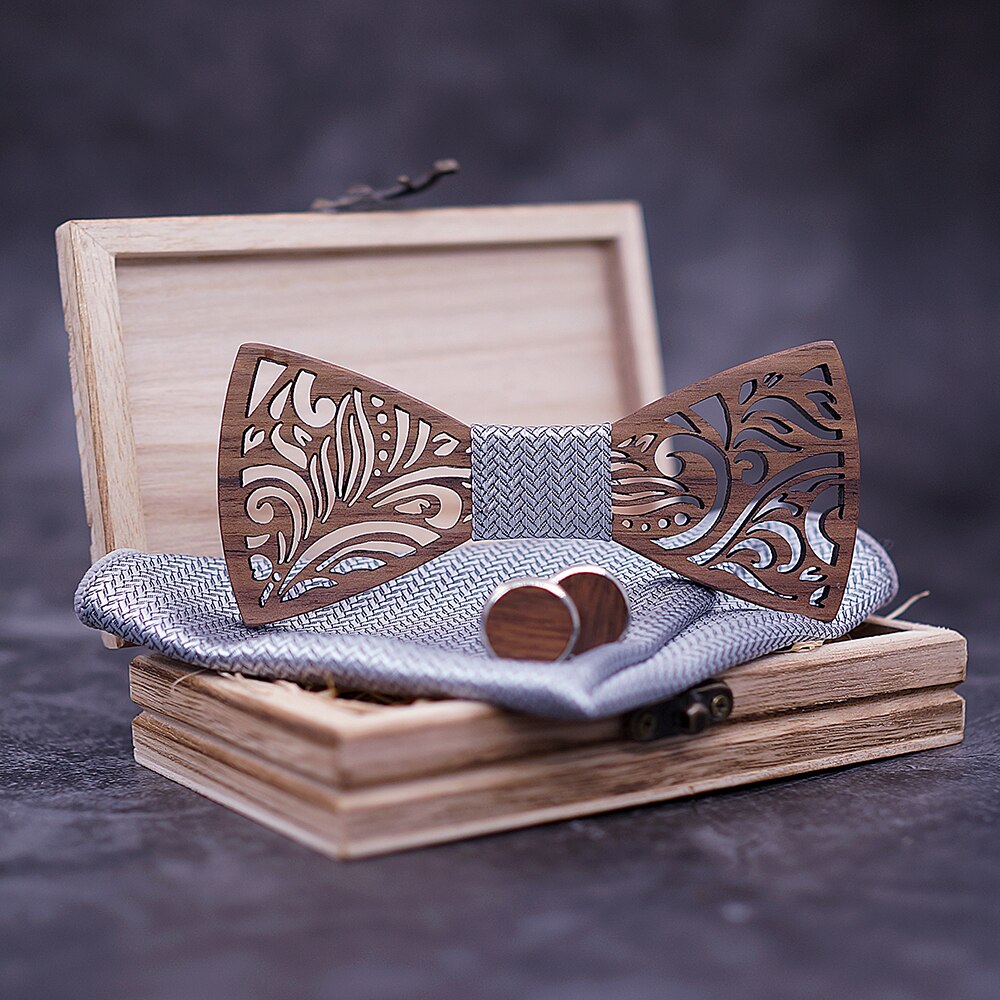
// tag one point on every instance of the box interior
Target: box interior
(496, 334)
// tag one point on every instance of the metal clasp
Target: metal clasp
(688, 713)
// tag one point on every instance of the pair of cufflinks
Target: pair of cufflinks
(533, 619)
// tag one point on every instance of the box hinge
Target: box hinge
(688, 713)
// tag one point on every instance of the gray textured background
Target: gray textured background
(808, 170)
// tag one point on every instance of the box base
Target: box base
(355, 777)
(350, 823)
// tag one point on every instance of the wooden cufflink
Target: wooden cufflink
(577, 609)
(600, 602)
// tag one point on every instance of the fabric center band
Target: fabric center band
(541, 482)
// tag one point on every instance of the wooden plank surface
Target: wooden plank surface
(346, 743)
(303, 232)
(100, 392)
(552, 786)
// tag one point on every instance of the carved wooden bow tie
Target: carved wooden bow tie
(331, 483)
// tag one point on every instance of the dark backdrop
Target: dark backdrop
(809, 170)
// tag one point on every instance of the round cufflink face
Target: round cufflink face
(531, 620)
(600, 602)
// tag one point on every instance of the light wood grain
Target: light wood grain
(880, 658)
(547, 787)
(303, 232)
(107, 445)
(101, 406)
(471, 308)
(333, 741)
(330, 740)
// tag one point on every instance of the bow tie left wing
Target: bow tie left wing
(331, 483)
(748, 481)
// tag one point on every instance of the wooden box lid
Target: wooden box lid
(528, 314)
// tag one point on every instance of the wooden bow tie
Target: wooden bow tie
(331, 483)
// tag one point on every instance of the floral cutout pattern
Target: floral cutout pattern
(331, 483)
(747, 482)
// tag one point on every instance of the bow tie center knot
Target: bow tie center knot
(541, 482)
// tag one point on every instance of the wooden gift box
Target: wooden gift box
(527, 315)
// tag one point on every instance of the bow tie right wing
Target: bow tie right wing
(331, 483)
(748, 481)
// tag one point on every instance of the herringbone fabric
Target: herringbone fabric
(516, 471)
(419, 634)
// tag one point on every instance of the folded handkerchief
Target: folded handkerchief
(419, 635)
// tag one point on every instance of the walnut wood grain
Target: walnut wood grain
(331, 483)
(747, 481)
(600, 602)
(531, 620)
